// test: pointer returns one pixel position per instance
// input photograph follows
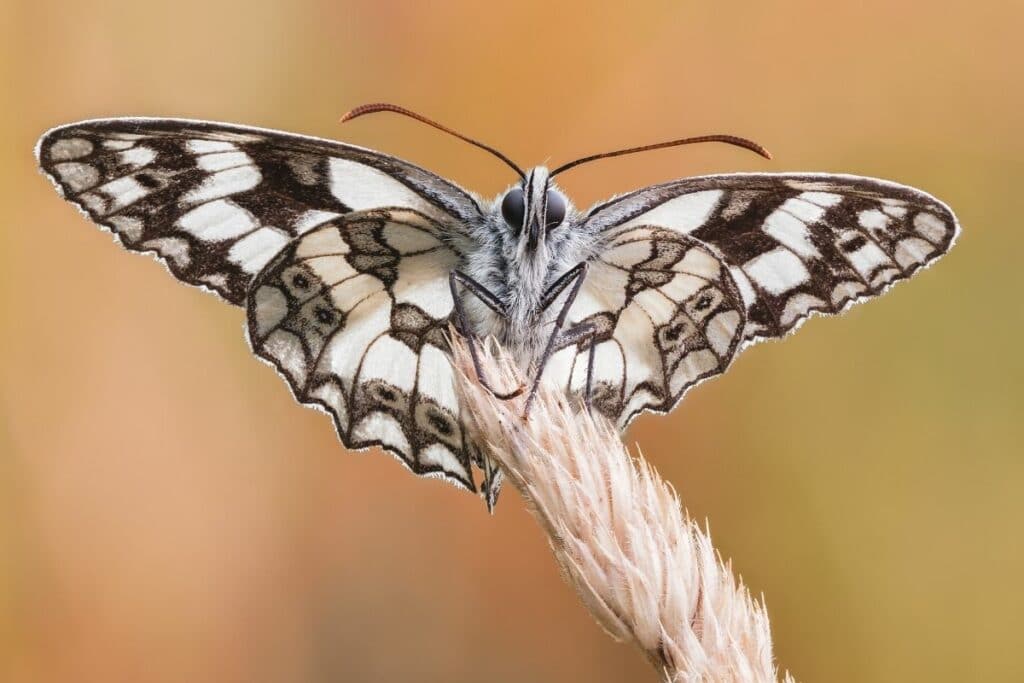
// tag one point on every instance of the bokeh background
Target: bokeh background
(167, 513)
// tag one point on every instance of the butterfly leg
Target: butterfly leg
(492, 302)
(584, 332)
(573, 281)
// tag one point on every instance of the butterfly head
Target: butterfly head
(533, 209)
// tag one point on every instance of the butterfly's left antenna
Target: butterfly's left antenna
(383, 106)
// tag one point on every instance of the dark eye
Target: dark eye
(513, 208)
(556, 209)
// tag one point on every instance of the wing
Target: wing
(792, 245)
(216, 201)
(354, 315)
(662, 312)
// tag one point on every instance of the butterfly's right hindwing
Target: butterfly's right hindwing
(354, 314)
(664, 312)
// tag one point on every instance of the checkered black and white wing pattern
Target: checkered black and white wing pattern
(354, 315)
(664, 313)
(794, 244)
(217, 201)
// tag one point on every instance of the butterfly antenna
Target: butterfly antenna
(727, 139)
(382, 106)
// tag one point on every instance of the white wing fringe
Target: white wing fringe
(647, 572)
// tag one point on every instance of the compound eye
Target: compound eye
(513, 208)
(556, 209)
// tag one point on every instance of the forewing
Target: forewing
(796, 244)
(354, 315)
(793, 244)
(663, 313)
(217, 201)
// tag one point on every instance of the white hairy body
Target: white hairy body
(519, 277)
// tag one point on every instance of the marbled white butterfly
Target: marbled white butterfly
(352, 264)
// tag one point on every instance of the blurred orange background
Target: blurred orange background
(167, 513)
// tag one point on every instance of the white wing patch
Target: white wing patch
(137, 157)
(255, 250)
(70, 148)
(362, 187)
(77, 176)
(788, 225)
(777, 271)
(684, 213)
(224, 184)
(217, 221)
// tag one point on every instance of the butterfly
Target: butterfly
(353, 264)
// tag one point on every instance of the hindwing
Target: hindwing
(354, 314)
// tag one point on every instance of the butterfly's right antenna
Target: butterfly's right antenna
(383, 106)
(727, 139)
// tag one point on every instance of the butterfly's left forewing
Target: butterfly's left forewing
(792, 245)
(217, 201)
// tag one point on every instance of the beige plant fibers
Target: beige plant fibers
(642, 567)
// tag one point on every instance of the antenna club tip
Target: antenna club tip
(369, 109)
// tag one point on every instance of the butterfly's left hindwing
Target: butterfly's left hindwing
(793, 245)
(354, 314)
